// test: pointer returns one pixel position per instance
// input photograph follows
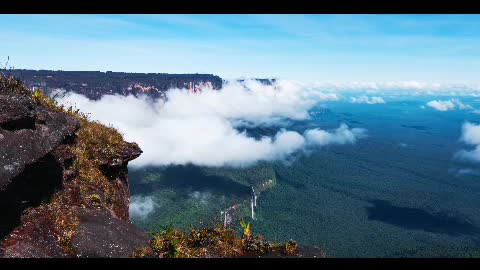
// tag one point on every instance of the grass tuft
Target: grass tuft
(213, 242)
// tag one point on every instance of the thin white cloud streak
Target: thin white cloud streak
(447, 105)
(422, 87)
(470, 136)
(141, 207)
(201, 128)
(367, 100)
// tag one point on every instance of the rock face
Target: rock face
(29, 169)
(27, 134)
(95, 84)
(99, 234)
(43, 212)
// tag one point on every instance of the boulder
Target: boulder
(16, 112)
(23, 143)
(100, 234)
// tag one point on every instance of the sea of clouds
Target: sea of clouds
(203, 128)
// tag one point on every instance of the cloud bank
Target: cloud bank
(471, 136)
(203, 128)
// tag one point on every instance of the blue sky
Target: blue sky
(308, 48)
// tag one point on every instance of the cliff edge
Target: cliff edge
(63, 181)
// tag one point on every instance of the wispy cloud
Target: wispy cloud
(367, 100)
(470, 136)
(141, 207)
(447, 105)
(342, 135)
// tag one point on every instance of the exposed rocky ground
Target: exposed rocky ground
(48, 209)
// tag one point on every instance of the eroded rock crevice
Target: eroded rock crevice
(34, 185)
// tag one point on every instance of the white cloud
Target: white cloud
(470, 133)
(472, 155)
(441, 105)
(447, 105)
(367, 100)
(202, 196)
(141, 207)
(471, 136)
(342, 135)
(202, 128)
(461, 106)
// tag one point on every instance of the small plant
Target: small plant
(95, 199)
(290, 248)
(13, 86)
(143, 252)
(246, 228)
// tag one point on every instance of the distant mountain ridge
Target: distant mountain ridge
(95, 84)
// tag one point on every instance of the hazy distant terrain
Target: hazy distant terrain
(94, 84)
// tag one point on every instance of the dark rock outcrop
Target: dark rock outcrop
(30, 135)
(17, 112)
(100, 234)
(29, 170)
(43, 203)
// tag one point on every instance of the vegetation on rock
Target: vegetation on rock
(85, 184)
(212, 241)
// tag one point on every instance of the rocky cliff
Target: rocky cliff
(63, 181)
(95, 84)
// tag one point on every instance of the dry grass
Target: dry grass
(13, 86)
